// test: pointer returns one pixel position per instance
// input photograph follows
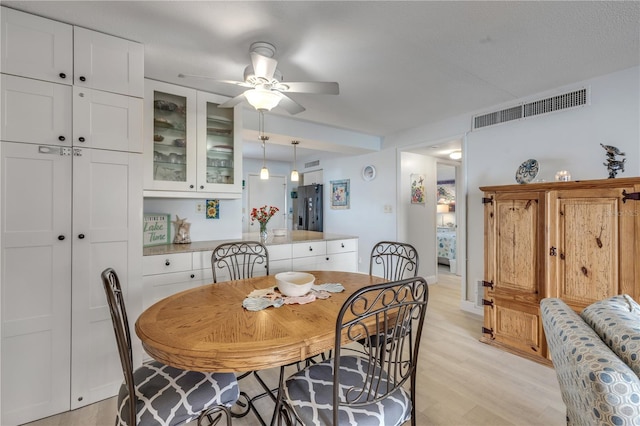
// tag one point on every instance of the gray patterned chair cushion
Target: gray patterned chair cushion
(597, 387)
(617, 322)
(169, 396)
(310, 394)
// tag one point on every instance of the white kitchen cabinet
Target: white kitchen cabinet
(279, 258)
(107, 232)
(309, 256)
(36, 47)
(56, 312)
(192, 148)
(35, 280)
(108, 63)
(219, 133)
(106, 120)
(331, 255)
(164, 275)
(44, 49)
(67, 213)
(169, 138)
(343, 255)
(34, 111)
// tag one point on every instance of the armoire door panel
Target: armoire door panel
(517, 244)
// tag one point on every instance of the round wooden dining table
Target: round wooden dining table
(207, 329)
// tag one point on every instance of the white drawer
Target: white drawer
(158, 287)
(314, 248)
(279, 252)
(202, 259)
(342, 246)
(162, 264)
(283, 265)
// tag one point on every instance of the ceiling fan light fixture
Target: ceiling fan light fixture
(262, 99)
(456, 155)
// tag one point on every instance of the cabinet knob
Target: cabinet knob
(310, 248)
(201, 186)
(327, 258)
(82, 78)
(342, 245)
(62, 75)
(191, 186)
(61, 237)
(193, 275)
(166, 262)
(81, 139)
(61, 138)
(81, 236)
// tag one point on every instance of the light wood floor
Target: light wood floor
(460, 381)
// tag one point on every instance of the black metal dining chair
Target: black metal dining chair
(364, 389)
(393, 260)
(239, 260)
(163, 395)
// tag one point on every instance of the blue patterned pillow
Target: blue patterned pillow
(617, 321)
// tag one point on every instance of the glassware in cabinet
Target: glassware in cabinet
(219, 169)
(169, 137)
(170, 140)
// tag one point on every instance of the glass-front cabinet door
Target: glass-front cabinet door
(219, 161)
(170, 133)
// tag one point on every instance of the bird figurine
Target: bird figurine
(613, 165)
(612, 150)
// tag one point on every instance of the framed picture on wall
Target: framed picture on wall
(417, 189)
(340, 194)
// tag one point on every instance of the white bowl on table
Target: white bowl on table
(294, 283)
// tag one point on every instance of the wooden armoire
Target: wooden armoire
(578, 241)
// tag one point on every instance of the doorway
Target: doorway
(269, 192)
(446, 221)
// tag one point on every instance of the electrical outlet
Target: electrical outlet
(387, 208)
(199, 207)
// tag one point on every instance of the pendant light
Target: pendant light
(264, 172)
(294, 173)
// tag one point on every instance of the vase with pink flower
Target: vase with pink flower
(262, 215)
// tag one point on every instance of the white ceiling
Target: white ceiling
(399, 64)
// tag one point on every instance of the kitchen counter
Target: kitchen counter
(290, 237)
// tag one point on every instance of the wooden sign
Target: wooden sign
(156, 229)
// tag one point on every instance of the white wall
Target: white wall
(567, 140)
(202, 229)
(366, 217)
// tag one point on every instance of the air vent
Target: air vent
(513, 113)
(312, 164)
(543, 106)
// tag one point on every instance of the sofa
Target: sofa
(596, 356)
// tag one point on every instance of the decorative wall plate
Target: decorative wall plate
(527, 171)
(368, 172)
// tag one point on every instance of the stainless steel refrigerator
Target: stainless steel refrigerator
(310, 207)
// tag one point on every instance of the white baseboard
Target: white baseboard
(469, 306)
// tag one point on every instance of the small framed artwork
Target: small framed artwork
(340, 194)
(213, 209)
(417, 189)
(156, 229)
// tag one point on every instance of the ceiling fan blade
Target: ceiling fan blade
(291, 106)
(325, 88)
(263, 66)
(234, 82)
(233, 101)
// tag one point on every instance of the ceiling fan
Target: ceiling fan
(266, 88)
